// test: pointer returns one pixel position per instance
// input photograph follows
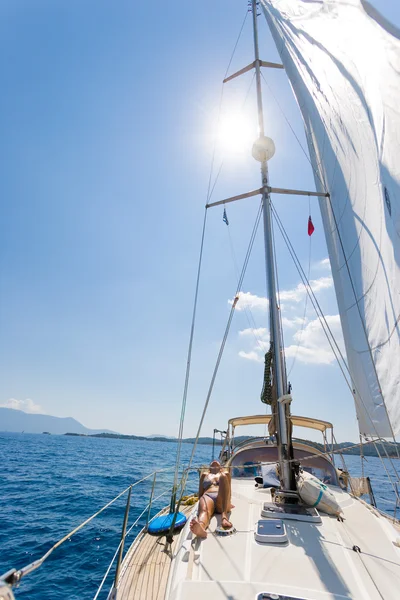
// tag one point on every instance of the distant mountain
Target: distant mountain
(18, 421)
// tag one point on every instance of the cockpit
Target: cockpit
(247, 463)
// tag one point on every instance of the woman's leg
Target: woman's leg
(206, 510)
(223, 501)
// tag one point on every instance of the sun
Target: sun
(236, 133)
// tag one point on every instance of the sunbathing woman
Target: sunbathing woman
(214, 497)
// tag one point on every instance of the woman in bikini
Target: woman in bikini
(214, 497)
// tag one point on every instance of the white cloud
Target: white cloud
(298, 293)
(252, 301)
(295, 322)
(27, 405)
(308, 343)
(311, 346)
(247, 300)
(251, 356)
(261, 332)
(325, 264)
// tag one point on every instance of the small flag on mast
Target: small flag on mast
(310, 226)
(225, 218)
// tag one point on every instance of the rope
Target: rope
(358, 552)
(267, 390)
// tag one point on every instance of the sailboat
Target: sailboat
(343, 63)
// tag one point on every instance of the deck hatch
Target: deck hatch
(271, 531)
(296, 512)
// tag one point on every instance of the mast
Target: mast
(264, 148)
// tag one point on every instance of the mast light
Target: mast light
(263, 149)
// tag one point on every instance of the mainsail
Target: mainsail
(343, 62)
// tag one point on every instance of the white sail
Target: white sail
(343, 61)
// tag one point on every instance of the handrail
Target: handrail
(123, 535)
(14, 576)
(114, 588)
(119, 546)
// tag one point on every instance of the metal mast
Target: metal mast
(275, 327)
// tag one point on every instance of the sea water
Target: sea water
(50, 484)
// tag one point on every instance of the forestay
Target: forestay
(343, 61)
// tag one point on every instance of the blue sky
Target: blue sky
(109, 116)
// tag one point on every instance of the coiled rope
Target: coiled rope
(267, 390)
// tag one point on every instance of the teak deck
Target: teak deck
(145, 569)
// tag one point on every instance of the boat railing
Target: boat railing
(13, 577)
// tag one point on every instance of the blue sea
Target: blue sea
(50, 484)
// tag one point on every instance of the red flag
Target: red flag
(310, 226)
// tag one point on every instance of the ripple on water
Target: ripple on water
(50, 484)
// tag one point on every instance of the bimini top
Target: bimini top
(296, 421)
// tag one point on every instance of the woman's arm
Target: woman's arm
(201, 484)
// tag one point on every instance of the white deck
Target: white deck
(318, 563)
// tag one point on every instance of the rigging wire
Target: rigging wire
(387, 471)
(359, 313)
(247, 311)
(238, 287)
(188, 363)
(279, 305)
(325, 326)
(189, 354)
(209, 188)
(359, 554)
(236, 44)
(315, 171)
(303, 324)
(211, 191)
(313, 298)
(216, 368)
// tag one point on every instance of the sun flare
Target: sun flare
(236, 133)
